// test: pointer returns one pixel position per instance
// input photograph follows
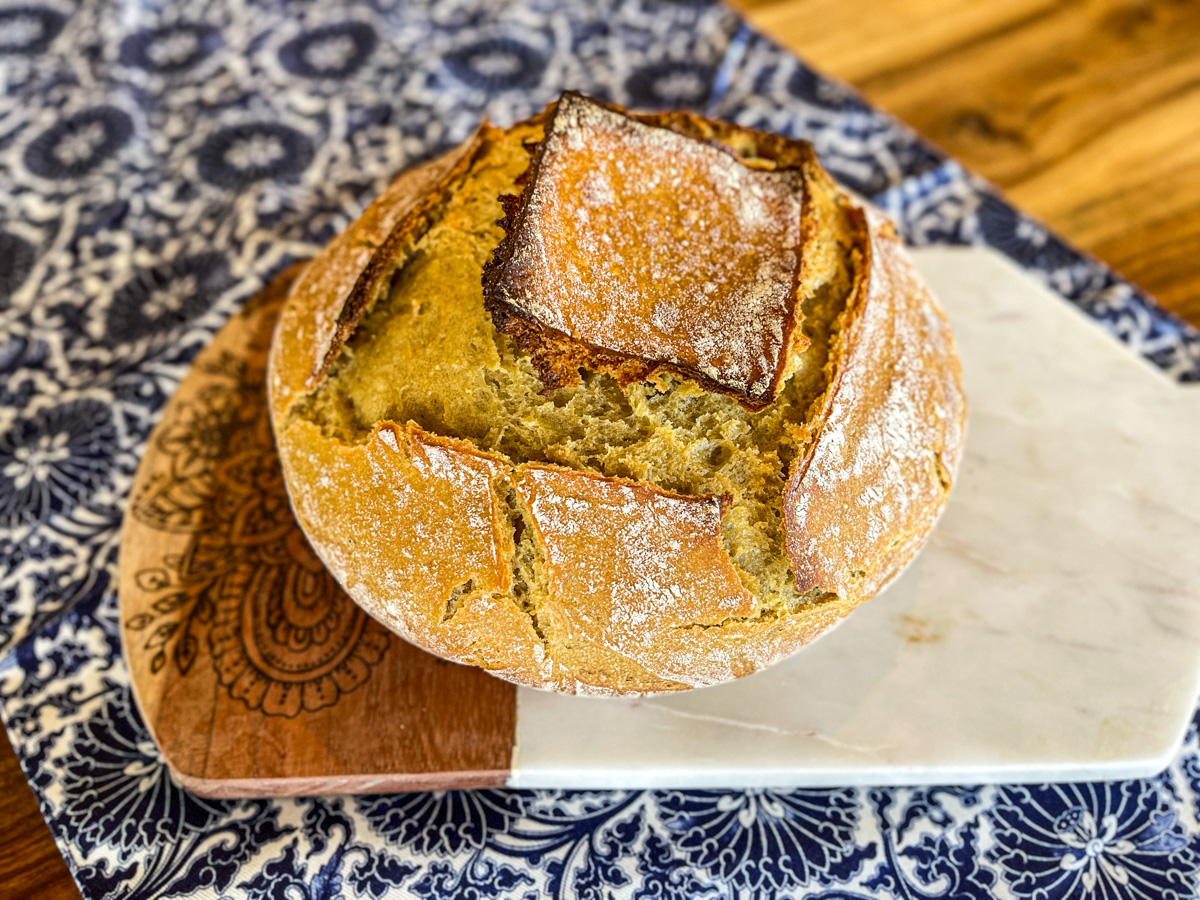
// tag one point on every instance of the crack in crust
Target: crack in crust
(527, 557)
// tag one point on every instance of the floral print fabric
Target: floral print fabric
(159, 161)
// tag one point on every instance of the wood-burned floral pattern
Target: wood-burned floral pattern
(281, 633)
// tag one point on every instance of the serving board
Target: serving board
(256, 673)
(1049, 631)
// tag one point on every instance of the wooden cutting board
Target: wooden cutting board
(256, 674)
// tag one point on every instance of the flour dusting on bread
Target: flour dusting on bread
(648, 251)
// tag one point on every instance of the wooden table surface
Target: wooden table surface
(1087, 114)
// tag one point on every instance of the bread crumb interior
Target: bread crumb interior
(427, 352)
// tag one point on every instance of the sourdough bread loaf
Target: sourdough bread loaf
(509, 426)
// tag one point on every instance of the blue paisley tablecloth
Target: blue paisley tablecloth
(159, 161)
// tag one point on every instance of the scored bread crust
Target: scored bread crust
(419, 527)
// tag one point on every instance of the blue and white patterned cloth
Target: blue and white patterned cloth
(159, 161)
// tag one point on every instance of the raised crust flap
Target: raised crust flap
(637, 249)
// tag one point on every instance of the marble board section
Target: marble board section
(1050, 630)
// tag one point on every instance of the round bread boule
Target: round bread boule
(600, 537)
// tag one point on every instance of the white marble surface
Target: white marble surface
(1050, 630)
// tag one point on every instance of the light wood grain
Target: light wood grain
(1085, 113)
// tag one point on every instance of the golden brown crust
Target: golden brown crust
(628, 566)
(330, 299)
(427, 532)
(412, 526)
(537, 303)
(860, 503)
